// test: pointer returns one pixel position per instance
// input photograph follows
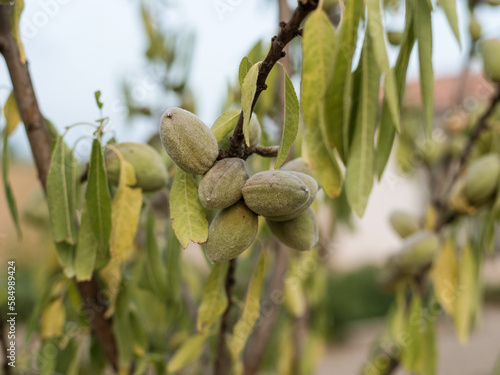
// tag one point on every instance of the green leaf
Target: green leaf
(15, 16)
(321, 159)
(214, 299)
(125, 211)
(450, 9)
(243, 327)
(11, 113)
(337, 97)
(318, 47)
(98, 201)
(97, 96)
(66, 256)
(248, 90)
(61, 193)
(155, 268)
(423, 33)
(387, 131)
(189, 351)
(9, 194)
(86, 249)
(122, 329)
(225, 123)
(465, 296)
(291, 124)
(359, 172)
(245, 66)
(427, 360)
(189, 217)
(415, 319)
(376, 31)
(140, 337)
(444, 276)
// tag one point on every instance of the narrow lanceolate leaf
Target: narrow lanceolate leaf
(321, 159)
(387, 130)
(376, 31)
(423, 33)
(245, 66)
(189, 218)
(15, 16)
(98, 199)
(11, 113)
(465, 296)
(214, 299)
(122, 330)
(318, 50)
(248, 90)
(61, 191)
(125, 211)
(155, 266)
(9, 194)
(291, 124)
(225, 123)
(444, 276)
(53, 318)
(86, 249)
(337, 97)
(189, 351)
(251, 311)
(450, 9)
(359, 173)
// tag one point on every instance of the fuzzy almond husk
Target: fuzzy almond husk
(300, 233)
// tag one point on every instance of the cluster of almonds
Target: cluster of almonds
(282, 196)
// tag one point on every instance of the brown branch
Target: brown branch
(268, 152)
(288, 31)
(39, 139)
(223, 361)
(274, 295)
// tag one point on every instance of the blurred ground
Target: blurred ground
(475, 358)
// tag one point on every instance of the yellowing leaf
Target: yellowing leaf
(214, 299)
(294, 297)
(125, 211)
(243, 327)
(359, 172)
(318, 47)
(225, 123)
(466, 290)
(112, 276)
(189, 218)
(291, 124)
(53, 319)
(321, 159)
(11, 113)
(248, 90)
(245, 66)
(189, 351)
(444, 276)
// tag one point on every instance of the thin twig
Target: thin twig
(223, 361)
(288, 31)
(38, 136)
(275, 294)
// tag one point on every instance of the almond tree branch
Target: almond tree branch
(223, 361)
(38, 136)
(287, 32)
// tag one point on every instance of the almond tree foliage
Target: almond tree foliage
(124, 299)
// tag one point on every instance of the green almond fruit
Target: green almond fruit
(394, 37)
(490, 50)
(188, 141)
(404, 223)
(481, 179)
(231, 232)
(275, 193)
(150, 171)
(298, 165)
(418, 251)
(300, 233)
(313, 189)
(221, 186)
